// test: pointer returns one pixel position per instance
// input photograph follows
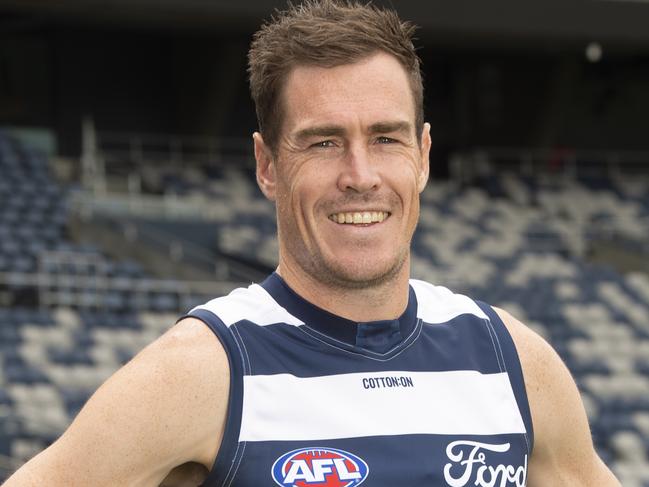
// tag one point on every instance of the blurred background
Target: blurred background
(127, 192)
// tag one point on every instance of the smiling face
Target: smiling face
(347, 172)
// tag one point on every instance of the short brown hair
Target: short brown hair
(324, 33)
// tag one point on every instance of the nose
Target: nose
(358, 174)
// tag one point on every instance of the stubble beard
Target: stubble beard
(336, 275)
(327, 271)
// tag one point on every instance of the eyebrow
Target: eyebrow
(319, 131)
(337, 131)
(390, 127)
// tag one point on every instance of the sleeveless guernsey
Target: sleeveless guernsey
(433, 398)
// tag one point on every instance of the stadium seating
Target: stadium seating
(53, 357)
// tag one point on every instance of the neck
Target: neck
(384, 301)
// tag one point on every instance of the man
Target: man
(336, 370)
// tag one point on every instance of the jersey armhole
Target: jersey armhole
(513, 363)
(227, 456)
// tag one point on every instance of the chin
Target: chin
(360, 275)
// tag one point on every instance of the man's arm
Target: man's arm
(164, 408)
(563, 452)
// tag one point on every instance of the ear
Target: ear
(266, 177)
(424, 169)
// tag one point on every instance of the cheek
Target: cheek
(406, 184)
(298, 196)
(401, 165)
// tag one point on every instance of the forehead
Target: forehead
(376, 88)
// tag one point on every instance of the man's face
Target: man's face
(347, 173)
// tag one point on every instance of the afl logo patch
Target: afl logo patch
(319, 467)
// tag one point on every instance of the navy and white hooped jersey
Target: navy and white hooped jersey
(433, 398)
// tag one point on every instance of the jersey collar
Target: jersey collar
(376, 336)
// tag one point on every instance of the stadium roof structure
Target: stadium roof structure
(621, 22)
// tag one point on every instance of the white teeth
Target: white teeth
(358, 218)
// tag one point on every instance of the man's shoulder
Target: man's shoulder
(188, 357)
(533, 350)
(546, 376)
(188, 336)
